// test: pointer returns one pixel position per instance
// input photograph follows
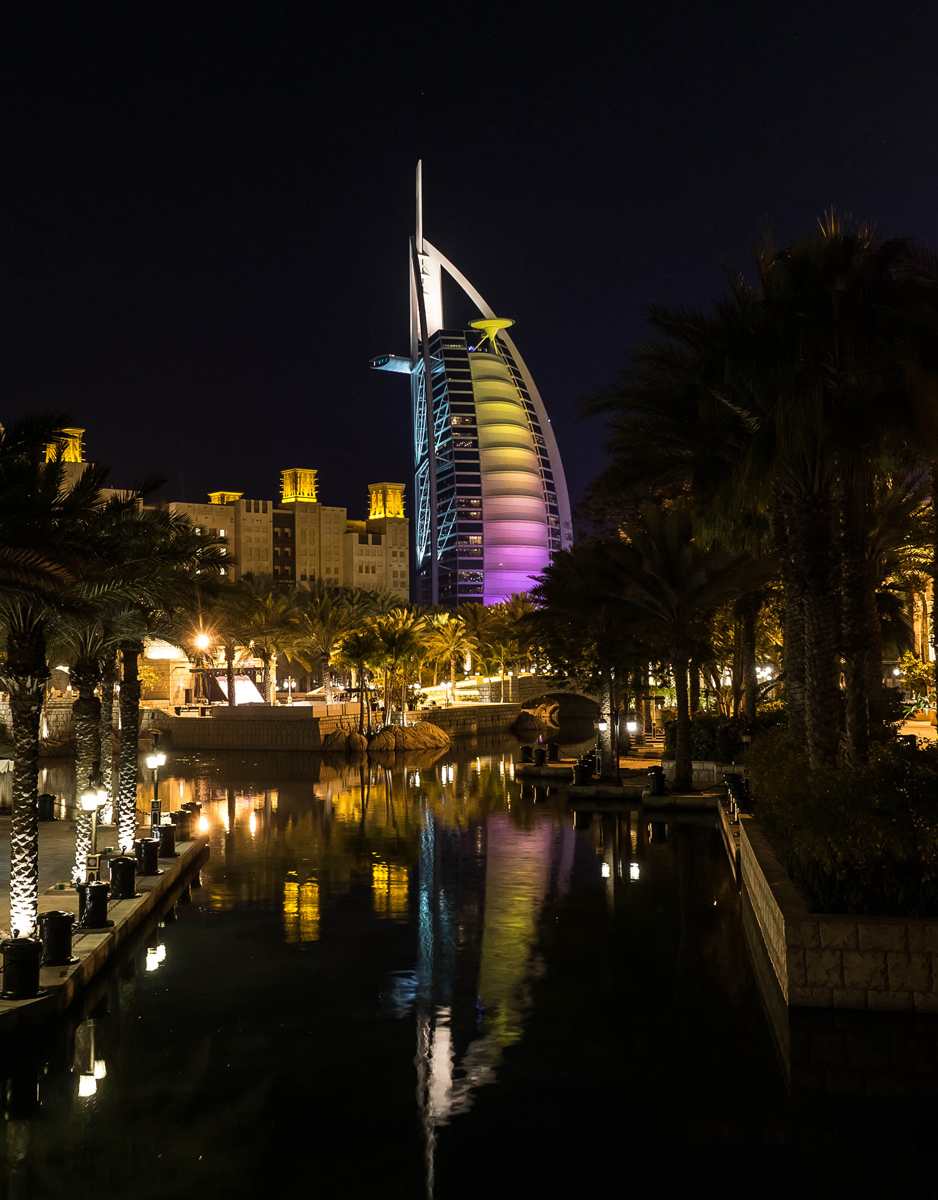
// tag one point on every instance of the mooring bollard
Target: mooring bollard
(149, 856)
(527, 754)
(540, 756)
(582, 774)
(656, 781)
(553, 752)
(21, 957)
(182, 821)
(46, 807)
(123, 877)
(55, 932)
(96, 910)
(167, 840)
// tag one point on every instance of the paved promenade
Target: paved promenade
(94, 947)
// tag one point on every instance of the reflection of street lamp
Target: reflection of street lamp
(155, 759)
(93, 796)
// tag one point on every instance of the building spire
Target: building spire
(420, 206)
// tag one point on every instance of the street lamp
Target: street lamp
(155, 759)
(289, 683)
(92, 798)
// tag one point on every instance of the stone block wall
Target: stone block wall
(466, 720)
(833, 960)
(705, 773)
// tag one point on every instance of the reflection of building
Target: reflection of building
(492, 501)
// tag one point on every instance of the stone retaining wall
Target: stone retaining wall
(705, 772)
(833, 960)
(466, 720)
(246, 728)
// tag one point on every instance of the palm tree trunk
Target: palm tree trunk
(793, 632)
(25, 674)
(737, 667)
(683, 771)
(272, 678)
(108, 679)
(361, 698)
(86, 716)
(230, 673)
(694, 686)
(129, 753)
(813, 552)
(856, 649)
(609, 759)
(749, 606)
(326, 675)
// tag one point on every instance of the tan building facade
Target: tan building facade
(298, 540)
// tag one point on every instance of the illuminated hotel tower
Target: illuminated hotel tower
(492, 502)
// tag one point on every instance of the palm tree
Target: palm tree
(324, 616)
(361, 648)
(450, 642)
(272, 626)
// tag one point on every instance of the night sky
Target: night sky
(207, 207)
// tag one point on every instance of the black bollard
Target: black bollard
(149, 856)
(167, 836)
(55, 930)
(540, 756)
(182, 821)
(656, 781)
(553, 752)
(123, 877)
(138, 854)
(527, 754)
(96, 911)
(582, 774)
(46, 807)
(21, 958)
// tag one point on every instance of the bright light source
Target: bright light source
(91, 799)
(156, 759)
(203, 824)
(602, 726)
(202, 641)
(896, 671)
(632, 726)
(252, 823)
(87, 1085)
(152, 958)
(161, 952)
(633, 871)
(100, 1070)
(606, 871)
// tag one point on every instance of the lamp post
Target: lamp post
(290, 684)
(92, 798)
(155, 759)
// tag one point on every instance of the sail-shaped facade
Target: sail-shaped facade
(492, 505)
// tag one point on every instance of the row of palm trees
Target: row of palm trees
(787, 439)
(90, 574)
(324, 629)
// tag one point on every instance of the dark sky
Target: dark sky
(206, 209)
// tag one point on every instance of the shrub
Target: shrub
(864, 841)
(715, 738)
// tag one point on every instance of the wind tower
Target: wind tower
(492, 504)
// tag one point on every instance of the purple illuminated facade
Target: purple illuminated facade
(492, 504)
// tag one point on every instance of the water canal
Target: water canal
(427, 981)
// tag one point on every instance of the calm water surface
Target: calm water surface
(426, 981)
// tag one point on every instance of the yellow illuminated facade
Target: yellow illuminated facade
(385, 500)
(69, 448)
(298, 485)
(224, 497)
